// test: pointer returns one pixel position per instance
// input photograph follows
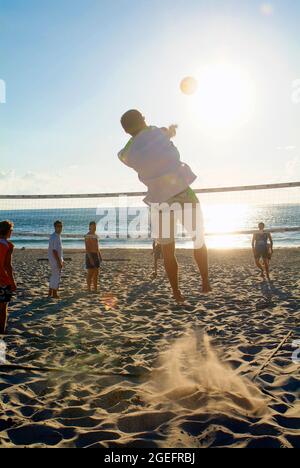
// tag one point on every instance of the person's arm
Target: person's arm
(58, 259)
(9, 270)
(55, 248)
(271, 242)
(155, 265)
(253, 242)
(123, 155)
(98, 246)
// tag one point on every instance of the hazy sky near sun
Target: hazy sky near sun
(72, 67)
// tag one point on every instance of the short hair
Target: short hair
(132, 121)
(93, 223)
(262, 225)
(58, 223)
(5, 227)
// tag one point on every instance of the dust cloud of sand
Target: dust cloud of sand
(191, 375)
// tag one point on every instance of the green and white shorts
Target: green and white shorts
(179, 217)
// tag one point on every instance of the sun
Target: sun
(225, 98)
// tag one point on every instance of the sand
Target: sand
(129, 368)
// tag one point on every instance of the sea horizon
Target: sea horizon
(227, 226)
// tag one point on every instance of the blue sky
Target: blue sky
(72, 67)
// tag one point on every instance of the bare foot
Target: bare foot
(179, 298)
(206, 288)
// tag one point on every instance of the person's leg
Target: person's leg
(171, 267)
(201, 257)
(51, 282)
(168, 244)
(259, 266)
(55, 294)
(90, 273)
(55, 281)
(95, 279)
(267, 267)
(3, 317)
(194, 225)
(155, 266)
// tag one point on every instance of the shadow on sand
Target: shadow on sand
(45, 306)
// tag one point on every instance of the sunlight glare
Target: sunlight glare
(225, 218)
(267, 9)
(225, 99)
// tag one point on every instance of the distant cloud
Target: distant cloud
(293, 168)
(5, 175)
(267, 9)
(290, 148)
(286, 148)
(71, 179)
(24, 184)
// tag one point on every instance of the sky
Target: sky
(72, 67)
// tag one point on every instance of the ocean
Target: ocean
(223, 225)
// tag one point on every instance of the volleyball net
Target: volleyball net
(231, 216)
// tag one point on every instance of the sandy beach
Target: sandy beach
(130, 368)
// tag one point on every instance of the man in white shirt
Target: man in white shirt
(56, 260)
(151, 153)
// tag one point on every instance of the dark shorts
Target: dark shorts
(93, 260)
(5, 294)
(262, 252)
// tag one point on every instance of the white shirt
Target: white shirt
(157, 161)
(55, 244)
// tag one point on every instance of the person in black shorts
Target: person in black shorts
(262, 245)
(93, 257)
(7, 281)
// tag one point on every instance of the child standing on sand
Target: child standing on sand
(7, 282)
(151, 153)
(56, 259)
(93, 257)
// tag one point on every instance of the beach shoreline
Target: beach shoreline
(147, 249)
(130, 368)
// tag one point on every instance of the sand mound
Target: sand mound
(192, 376)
